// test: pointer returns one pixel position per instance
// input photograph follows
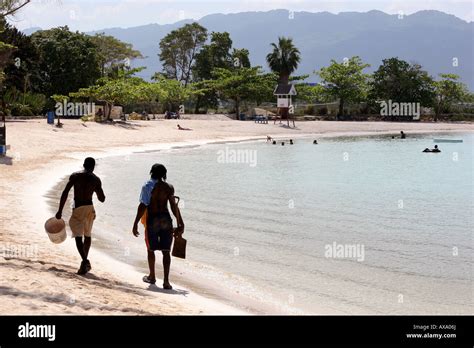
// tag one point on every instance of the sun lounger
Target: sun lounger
(261, 119)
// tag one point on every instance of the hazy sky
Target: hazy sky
(85, 15)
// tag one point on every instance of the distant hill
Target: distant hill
(430, 38)
(31, 30)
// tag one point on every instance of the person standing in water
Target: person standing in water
(402, 135)
(154, 198)
(85, 183)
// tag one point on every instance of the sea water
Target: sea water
(352, 225)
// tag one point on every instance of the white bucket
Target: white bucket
(56, 230)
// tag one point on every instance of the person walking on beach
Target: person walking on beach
(85, 183)
(153, 207)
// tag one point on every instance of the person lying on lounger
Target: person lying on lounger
(182, 128)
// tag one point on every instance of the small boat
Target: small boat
(447, 140)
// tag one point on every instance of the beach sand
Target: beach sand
(38, 277)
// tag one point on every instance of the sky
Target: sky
(88, 15)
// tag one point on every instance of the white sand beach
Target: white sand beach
(38, 277)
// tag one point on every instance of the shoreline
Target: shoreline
(52, 170)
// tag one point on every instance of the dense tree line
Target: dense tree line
(200, 70)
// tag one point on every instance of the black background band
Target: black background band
(227, 330)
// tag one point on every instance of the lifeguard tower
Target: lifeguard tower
(284, 94)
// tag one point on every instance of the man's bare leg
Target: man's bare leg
(151, 265)
(166, 270)
(80, 248)
(87, 245)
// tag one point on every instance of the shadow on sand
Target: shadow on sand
(121, 124)
(155, 288)
(289, 127)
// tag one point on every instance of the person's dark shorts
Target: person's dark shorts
(159, 232)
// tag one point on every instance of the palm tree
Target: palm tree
(283, 59)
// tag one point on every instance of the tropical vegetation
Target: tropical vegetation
(201, 72)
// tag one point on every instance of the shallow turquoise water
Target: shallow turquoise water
(263, 228)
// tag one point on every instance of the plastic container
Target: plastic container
(50, 117)
(56, 230)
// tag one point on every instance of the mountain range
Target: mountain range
(440, 42)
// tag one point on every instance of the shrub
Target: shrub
(136, 117)
(310, 110)
(21, 110)
(36, 102)
(24, 104)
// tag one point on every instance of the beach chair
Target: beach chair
(261, 119)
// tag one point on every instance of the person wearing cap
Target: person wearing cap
(153, 208)
(85, 184)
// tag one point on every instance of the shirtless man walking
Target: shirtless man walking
(154, 198)
(85, 183)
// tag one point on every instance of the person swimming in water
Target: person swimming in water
(432, 150)
(315, 142)
(274, 142)
(291, 141)
(402, 135)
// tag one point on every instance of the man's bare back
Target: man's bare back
(85, 184)
(160, 196)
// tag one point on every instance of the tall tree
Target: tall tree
(179, 49)
(217, 54)
(113, 54)
(69, 60)
(284, 59)
(240, 58)
(9, 7)
(22, 69)
(5, 52)
(401, 82)
(242, 84)
(448, 90)
(115, 91)
(345, 81)
(172, 93)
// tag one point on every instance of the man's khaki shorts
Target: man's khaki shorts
(81, 221)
